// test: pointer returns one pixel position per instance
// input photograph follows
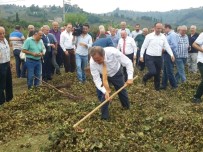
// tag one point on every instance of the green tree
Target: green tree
(17, 17)
(75, 18)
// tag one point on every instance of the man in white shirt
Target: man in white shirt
(106, 62)
(154, 43)
(6, 89)
(198, 45)
(128, 47)
(123, 28)
(66, 42)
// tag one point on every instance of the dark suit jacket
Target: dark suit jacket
(50, 40)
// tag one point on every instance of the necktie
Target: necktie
(124, 44)
(104, 78)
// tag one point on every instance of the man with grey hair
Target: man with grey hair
(192, 53)
(123, 28)
(105, 66)
(6, 89)
(182, 54)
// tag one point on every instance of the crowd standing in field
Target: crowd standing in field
(113, 57)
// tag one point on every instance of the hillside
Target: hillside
(36, 14)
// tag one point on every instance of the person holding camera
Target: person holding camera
(83, 43)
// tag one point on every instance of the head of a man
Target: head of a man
(193, 29)
(137, 27)
(2, 33)
(97, 53)
(158, 27)
(123, 25)
(18, 27)
(62, 29)
(183, 30)
(45, 29)
(102, 33)
(69, 27)
(145, 31)
(55, 26)
(31, 28)
(167, 28)
(113, 31)
(37, 35)
(85, 29)
(123, 34)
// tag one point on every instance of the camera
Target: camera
(77, 30)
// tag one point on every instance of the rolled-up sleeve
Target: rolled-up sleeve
(144, 46)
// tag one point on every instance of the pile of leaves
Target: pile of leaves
(157, 121)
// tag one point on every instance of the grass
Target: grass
(42, 120)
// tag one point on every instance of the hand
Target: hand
(141, 59)
(129, 82)
(173, 58)
(106, 95)
(53, 46)
(66, 53)
(83, 44)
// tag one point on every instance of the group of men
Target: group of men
(112, 56)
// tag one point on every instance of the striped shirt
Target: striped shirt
(183, 45)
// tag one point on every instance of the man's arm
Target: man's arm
(168, 49)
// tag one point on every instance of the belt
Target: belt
(69, 49)
(32, 59)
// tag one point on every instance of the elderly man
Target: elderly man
(30, 28)
(33, 48)
(105, 66)
(192, 53)
(139, 40)
(50, 42)
(57, 33)
(6, 89)
(16, 39)
(153, 44)
(128, 47)
(182, 54)
(123, 28)
(198, 45)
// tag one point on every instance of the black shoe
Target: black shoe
(162, 88)
(58, 72)
(49, 78)
(144, 82)
(196, 100)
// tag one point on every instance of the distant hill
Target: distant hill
(35, 13)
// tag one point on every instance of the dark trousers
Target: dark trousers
(20, 69)
(47, 66)
(199, 91)
(168, 68)
(69, 61)
(6, 88)
(140, 65)
(59, 55)
(117, 81)
(131, 57)
(154, 65)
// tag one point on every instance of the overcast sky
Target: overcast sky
(103, 6)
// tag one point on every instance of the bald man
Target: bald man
(153, 44)
(6, 89)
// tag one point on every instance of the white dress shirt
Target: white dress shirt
(134, 34)
(113, 59)
(66, 40)
(155, 44)
(199, 41)
(130, 46)
(4, 51)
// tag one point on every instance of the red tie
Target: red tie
(124, 43)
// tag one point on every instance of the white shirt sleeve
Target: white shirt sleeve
(119, 44)
(199, 40)
(134, 46)
(144, 46)
(62, 41)
(125, 62)
(96, 77)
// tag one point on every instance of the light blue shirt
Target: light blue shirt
(172, 39)
(127, 31)
(82, 50)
